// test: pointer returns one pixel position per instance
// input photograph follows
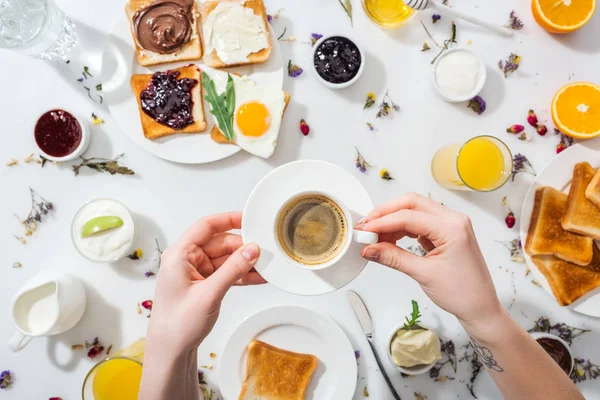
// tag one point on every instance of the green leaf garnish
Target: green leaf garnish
(413, 323)
(222, 106)
(100, 224)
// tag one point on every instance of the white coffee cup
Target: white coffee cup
(47, 305)
(352, 235)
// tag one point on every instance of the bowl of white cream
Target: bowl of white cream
(103, 230)
(458, 75)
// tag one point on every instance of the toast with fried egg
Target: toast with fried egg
(235, 32)
(276, 374)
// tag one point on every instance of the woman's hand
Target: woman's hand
(196, 272)
(453, 273)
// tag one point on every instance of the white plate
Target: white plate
(297, 329)
(558, 174)
(119, 63)
(259, 219)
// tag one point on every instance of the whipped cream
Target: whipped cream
(234, 32)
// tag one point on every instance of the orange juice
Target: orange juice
(117, 379)
(482, 164)
(388, 13)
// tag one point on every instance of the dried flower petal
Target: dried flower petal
(136, 255)
(357, 354)
(201, 380)
(212, 355)
(147, 304)
(361, 163)
(109, 349)
(12, 162)
(139, 309)
(304, 128)
(425, 47)
(510, 220)
(385, 175)
(366, 391)
(435, 18)
(96, 120)
(370, 126)
(369, 101)
(514, 22)
(541, 129)
(510, 65)
(515, 129)
(419, 396)
(149, 274)
(294, 70)
(17, 265)
(314, 38)
(386, 106)
(532, 118)
(5, 379)
(477, 104)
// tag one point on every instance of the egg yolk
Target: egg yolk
(253, 119)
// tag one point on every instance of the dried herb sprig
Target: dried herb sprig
(347, 6)
(562, 330)
(516, 250)
(447, 43)
(369, 101)
(361, 163)
(510, 65)
(387, 105)
(429, 34)
(584, 370)
(110, 166)
(476, 367)
(39, 207)
(294, 70)
(521, 164)
(448, 358)
(514, 22)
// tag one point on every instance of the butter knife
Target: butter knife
(364, 319)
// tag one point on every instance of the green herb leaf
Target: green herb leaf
(221, 105)
(413, 322)
(347, 5)
(99, 87)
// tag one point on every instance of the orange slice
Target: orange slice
(576, 110)
(562, 16)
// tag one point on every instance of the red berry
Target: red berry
(510, 220)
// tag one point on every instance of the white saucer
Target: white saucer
(558, 174)
(259, 219)
(119, 63)
(297, 329)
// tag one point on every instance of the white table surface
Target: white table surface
(166, 198)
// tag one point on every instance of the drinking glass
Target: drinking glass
(123, 378)
(37, 28)
(482, 164)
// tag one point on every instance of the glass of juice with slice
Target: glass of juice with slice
(482, 164)
(388, 13)
(115, 378)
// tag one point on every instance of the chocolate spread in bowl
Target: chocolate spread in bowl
(164, 26)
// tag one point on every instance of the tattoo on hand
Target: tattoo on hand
(486, 357)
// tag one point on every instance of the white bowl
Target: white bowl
(337, 85)
(86, 138)
(480, 80)
(540, 335)
(417, 369)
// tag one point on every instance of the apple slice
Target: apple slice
(100, 224)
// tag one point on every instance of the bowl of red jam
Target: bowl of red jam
(60, 135)
(338, 61)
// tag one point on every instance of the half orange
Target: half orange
(562, 16)
(576, 110)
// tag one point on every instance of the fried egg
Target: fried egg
(258, 113)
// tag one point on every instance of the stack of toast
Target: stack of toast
(156, 22)
(276, 374)
(561, 235)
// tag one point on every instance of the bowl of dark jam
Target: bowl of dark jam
(338, 61)
(60, 135)
(557, 349)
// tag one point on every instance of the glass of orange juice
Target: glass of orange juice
(482, 164)
(388, 13)
(115, 378)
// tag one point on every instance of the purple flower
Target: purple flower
(5, 379)
(477, 104)
(315, 37)
(294, 70)
(269, 18)
(149, 274)
(435, 18)
(201, 380)
(357, 354)
(80, 80)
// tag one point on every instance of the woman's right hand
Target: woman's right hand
(453, 274)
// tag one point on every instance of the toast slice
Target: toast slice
(192, 50)
(217, 136)
(569, 282)
(592, 192)
(152, 128)
(276, 374)
(546, 235)
(210, 57)
(581, 216)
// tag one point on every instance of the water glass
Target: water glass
(37, 28)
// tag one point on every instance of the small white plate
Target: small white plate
(558, 174)
(297, 329)
(119, 62)
(259, 221)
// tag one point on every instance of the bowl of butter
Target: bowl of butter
(413, 348)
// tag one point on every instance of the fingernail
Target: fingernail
(250, 252)
(362, 221)
(371, 254)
